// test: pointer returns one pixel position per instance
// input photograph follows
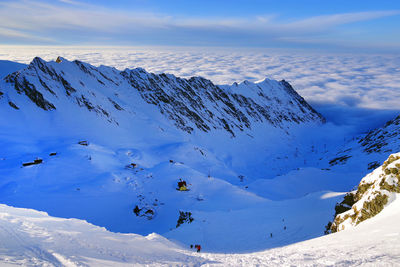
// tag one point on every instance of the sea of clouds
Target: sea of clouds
(348, 89)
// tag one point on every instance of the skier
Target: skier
(198, 247)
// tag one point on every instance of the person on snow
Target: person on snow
(198, 247)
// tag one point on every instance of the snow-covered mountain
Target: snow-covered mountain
(111, 146)
(194, 103)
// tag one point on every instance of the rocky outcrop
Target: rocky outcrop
(22, 85)
(375, 191)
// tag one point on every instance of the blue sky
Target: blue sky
(309, 24)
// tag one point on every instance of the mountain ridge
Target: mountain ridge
(194, 103)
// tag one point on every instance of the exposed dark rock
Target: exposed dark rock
(373, 165)
(35, 162)
(83, 143)
(67, 86)
(184, 217)
(13, 105)
(118, 107)
(144, 212)
(379, 138)
(339, 160)
(83, 102)
(22, 85)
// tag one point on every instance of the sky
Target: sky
(358, 25)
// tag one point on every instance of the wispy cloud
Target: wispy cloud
(11, 33)
(71, 2)
(328, 21)
(71, 21)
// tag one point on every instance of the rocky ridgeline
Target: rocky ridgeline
(373, 146)
(375, 191)
(382, 139)
(194, 103)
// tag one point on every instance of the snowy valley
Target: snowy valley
(263, 170)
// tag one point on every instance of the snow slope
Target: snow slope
(375, 242)
(7, 67)
(33, 238)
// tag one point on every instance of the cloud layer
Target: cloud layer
(352, 88)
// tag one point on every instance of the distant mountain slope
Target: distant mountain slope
(368, 151)
(194, 103)
(384, 139)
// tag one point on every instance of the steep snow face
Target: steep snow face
(194, 103)
(376, 191)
